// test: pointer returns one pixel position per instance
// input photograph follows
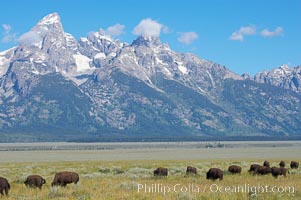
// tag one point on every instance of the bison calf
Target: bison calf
(215, 173)
(161, 171)
(4, 186)
(35, 181)
(278, 171)
(191, 170)
(294, 164)
(64, 178)
(234, 169)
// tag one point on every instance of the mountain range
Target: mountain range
(56, 88)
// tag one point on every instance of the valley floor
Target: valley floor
(55, 152)
(127, 173)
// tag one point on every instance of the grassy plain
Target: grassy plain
(121, 178)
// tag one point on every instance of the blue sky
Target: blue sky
(245, 36)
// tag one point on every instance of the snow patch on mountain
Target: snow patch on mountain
(5, 59)
(182, 68)
(100, 56)
(82, 62)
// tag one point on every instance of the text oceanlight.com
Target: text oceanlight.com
(213, 188)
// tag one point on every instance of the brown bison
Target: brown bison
(160, 171)
(263, 170)
(282, 163)
(35, 181)
(4, 186)
(254, 167)
(294, 164)
(191, 170)
(234, 169)
(278, 171)
(215, 173)
(64, 178)
(266, 163)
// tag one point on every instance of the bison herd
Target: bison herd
(37, 181)
(64, 178)
(275, 171)
(216, 173)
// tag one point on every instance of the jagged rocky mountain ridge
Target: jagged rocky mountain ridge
(284, 77)
(53, 87)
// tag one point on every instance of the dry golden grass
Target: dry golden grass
(120, 180)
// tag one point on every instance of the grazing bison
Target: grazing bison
(278, 171)
(282, 163)
(191, 170)
(294, 164)
(35, 181)
(234, 169)
(266, 163)
(253, 167)
(215, 173)
(160, 171)
(263, 170)
(64, 178)
(4, 186)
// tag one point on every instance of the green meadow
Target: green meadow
(130, 178)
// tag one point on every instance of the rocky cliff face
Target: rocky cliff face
(284, 77)
(53, 87)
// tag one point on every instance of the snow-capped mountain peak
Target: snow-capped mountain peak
(284, 66)
(52, 18)
(283, 76)
(50, 27)
(147, 41)
(100, 34)
(46, 33)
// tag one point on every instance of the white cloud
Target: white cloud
(187, 37)
(115, 30)
(245, 30)
(165, 29)
(6, 28)
(7, 36)
(30, 38)
(149, 28)
(277, 32)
